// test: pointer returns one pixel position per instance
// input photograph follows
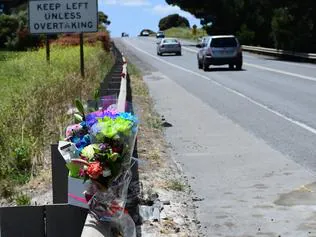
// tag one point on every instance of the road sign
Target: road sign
(63, 16)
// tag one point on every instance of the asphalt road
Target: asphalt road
(265, 115)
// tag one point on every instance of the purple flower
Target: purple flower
(113, 114)
(93, 117)
(103, 146)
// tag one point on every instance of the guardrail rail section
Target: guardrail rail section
(309, 57)
(61, 219)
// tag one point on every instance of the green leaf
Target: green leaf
(78, 118)
(80, 108)
(96, 98)
(96, 94)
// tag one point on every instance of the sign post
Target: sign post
(63, 16)
(81, 56)
(47, 49)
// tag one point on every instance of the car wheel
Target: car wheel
(200, 66)
(231, 66)
(205, 66)
(239, 66)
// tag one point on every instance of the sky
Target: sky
(131, 16)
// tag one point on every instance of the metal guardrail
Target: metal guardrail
(279, 52)
(123, 89)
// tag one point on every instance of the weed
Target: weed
(22, 199)
(154, 121)
(154, 155)
(133, 70)
(176, 185)
(6, 189)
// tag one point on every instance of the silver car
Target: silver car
(220, 50)
(169, 45)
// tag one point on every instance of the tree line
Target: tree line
(282, 24)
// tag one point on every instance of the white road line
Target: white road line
(282, 72)
(265, 107)
(269, 69)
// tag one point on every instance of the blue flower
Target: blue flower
(128, 116)
(81, 142)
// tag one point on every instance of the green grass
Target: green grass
(176, 185)
(34, 99)
(184, 33)
(22, 199)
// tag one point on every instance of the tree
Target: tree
(103, 19)
(287, 24)
(14, 33)
(8, 27)
(174, 20)
(194, 29)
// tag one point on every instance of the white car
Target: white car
(220, 50)
(169, 45)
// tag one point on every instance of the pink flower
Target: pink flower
(82, 173)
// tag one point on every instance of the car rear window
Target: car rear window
(170, 41)
(223, 42)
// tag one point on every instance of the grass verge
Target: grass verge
(35, 97)
(185, 33)
(150, 136)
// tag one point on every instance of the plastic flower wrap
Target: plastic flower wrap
(104, 141)
(98, 149)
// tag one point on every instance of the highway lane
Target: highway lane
(278, 109)
(264, 62)
(281, 110)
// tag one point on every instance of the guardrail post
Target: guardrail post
(59, 176)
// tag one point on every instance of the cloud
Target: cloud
(127, 2)
(163, 10)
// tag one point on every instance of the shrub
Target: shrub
(245, 36)
(8, 27)
(89, 38)
(174, 20)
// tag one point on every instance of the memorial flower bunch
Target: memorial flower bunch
(102, 142)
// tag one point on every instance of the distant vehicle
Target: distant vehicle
(145, 33)
(169, 45)
(125, 34)
(220, 50)
(160, 34)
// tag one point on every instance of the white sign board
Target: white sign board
(63, 16)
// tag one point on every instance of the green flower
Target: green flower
(113, 157)
(89, 151)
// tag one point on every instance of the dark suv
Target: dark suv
(220, 50)
(160, 34)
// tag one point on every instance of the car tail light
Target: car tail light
(209, 52)
(240, 49)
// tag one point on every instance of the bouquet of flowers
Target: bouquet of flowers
(98, 149)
